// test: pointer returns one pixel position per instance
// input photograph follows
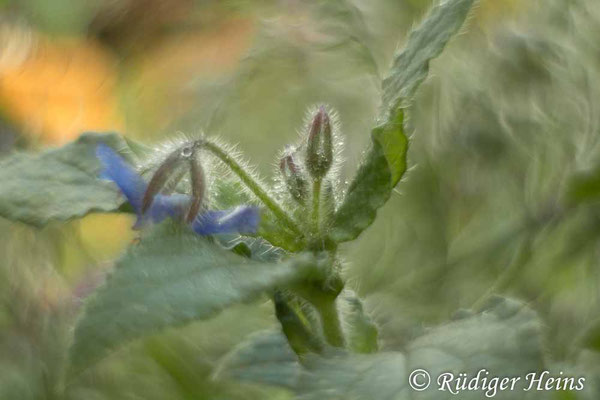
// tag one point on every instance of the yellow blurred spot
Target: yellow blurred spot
(490, 12)
(58, 88)
(105, 236)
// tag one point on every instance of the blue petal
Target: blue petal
(172, 206)
(117, 170)
(242, 219)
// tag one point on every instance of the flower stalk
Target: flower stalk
(316, 205)
(332, 327)
(251, 184)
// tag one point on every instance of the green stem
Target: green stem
(299, 335)
(316, 205)
(330, 319)
(252, 184)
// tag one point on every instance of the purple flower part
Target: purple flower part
(242, 219)
(127, 179)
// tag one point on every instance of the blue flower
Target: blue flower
(242, 219)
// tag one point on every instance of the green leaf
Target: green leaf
(373, 184)
(504, 339)
(425, 43)
(58, 184)
(385, 162)
(265, 357)
(171, 278)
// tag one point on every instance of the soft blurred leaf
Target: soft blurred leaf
(197, 59)
(265, 357)
(344, 27)
(172, 277)
(360, 330)
(58, 184)
(386, 161)
(583, 187)
(503, 339)
(591, 337)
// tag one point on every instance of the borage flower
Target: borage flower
(241, 219)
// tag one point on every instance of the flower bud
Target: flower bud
(295, 182)
(319, 150)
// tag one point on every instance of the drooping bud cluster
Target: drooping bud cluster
(293, 177)
(319, 147)
(309, 172)
(169, 168)
(311, 163)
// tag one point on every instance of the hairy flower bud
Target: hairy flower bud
(294, 180)
(319, 149)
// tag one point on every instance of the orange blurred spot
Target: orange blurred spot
(60, 89)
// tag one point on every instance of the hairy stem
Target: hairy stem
(332, 327)
(316, 205)
(253, 185)
(298, 334)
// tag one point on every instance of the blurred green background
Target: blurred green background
(509, 114)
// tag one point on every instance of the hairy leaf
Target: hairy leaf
(411, 66)
(170, 278)
(58, 184)
(385, 162)
(266, 357)
(504, 339)
(373, 183)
